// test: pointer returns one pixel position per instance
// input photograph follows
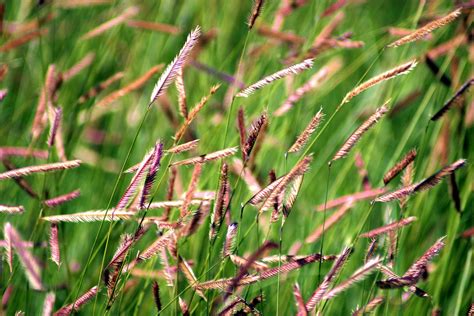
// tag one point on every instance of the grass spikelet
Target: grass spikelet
(56, 201)
(240, 262)
(154, 26)
(48, 304)
(94, 91)
(16, 173)
(207, 157)
(91, 216)
(152, 250)
(81, 301)
(11, 209)
(189, 275)
(317, 79)
(8, 245)
(134, 85)
(191, 189)
(54, 244)
(242, 130)
(194, 112)
(183, 306)
(18, 41)
(229, 244)
(156, 295)
(307, 132)
(173, 69)
(222, 202)
(184, 147)
(30, 264)
(58, 113)
(399, 167)
(253, 133)
(370, 249)
(300, 306)
(392, 73)
(128, 13)
(6, 152)
(357, 276)
(423, 185)
(183, 110)
(389, 227)
(292, 70)
(425, 30)
(256, 11)
(324, 286)
(357, 134)
(151, 175)
(455, 98)
(350, 198)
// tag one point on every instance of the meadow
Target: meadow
(236, 157)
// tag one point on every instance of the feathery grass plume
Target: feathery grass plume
(173, 69)
(81, 301)
(288, 258)
(399, 167)
(323, 74)
(183, 147)
(289, 195)
(357, 134)
(292, 70)
(30, 264)
(423, 185)
(230, 240)
(307, 132)
(242, 130)
(135, 85)
(48, 304)
(8, 245)
(256, 11)
(222, 202)
(357, 276)
(288, 37)
(179, 82)
(128, 13)
(154, 26)
(82, 64)
(240, 262)
(253, 133)
(454, 192)
(327, 31)
(267, 245)
(172, 204)
(23, 39)
(170, 192)
(392, 73)
(190, 277)
(407, 180)
(54, 244)
(331, 221)
(206, 157)
(222, 284)
(47, 94)
(350, 198)
(94, 91)
(336, 6)
(16, 173)
(58, 112)
(453, 100)
(156, 295)
(6, 152)
(370, 249)
(322, 289)
(91, 216)
(151, 175)
(183, 306)
(153, 249)
(389, 227)
(425, 30)
(195, 111)
(298, 170)
(168, 273)
(22, 183)
(371, 305)
(300, 306)
(416, 270)
(137, 180)
(53, 202)
(11, 209)
(191, 189)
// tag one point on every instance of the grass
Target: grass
(127, 131)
